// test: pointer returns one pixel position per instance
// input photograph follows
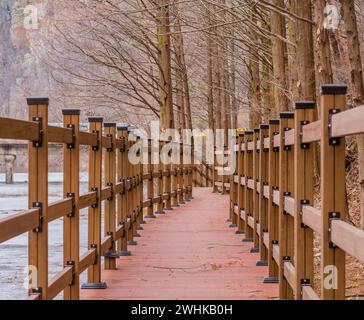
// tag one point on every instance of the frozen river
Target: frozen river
(14, 253)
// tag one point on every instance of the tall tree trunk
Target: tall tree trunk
(165, 78)
(234, 102)
(324, 67)
(357, 84)
(210, 76)
(292, 52)
(178, 50)
(305, 58)
(254, 69)
(279, 48)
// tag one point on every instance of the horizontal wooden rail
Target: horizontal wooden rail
(312, 218)
(311, 132)
(19, 129)
(60, 282)
(18, 223)
(60, 135)
(348, 122)
(59, 209)
(348, 238)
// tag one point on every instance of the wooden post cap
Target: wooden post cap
(95, 119)
(274, 121)
(37, 101)
(110, 124)
(286, 115)
(71, 112)
(304, 105)
(336, 89)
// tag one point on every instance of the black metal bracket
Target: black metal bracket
(35, 291)
(122, 148)
(38, 205)
(287, 259)
(111, 149)
(71, 146)
(122, 192)
(109, 184)
(38, 143)
(95, 205)
(287, 194)
(275, 242)
(71, 196)
(333, 216)
(305, 146)
(72, 264)
(305, 282)
(333, 141)
(97, 147)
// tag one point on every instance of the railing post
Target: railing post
(122, 212)
(38, 197)
(150, 183)
(140, 184)
(160, 189)
(240, 189)
(133, 194)
(180, 176)
(110, 204)
(333, 101)
(255, 178)
(215, 177)
(286, 188)
(273, 175)
(174, 174)
(248, 194)
(191, 171)
(263, 202)
(167, 180)
(94, 213)
(233, 189)
(71, 173)
(303, 194)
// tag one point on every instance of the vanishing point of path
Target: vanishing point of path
(189, 253)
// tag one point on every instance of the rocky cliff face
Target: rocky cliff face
(23, 30)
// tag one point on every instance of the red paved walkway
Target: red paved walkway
(189, 253)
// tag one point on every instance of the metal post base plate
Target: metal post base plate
(150, 216)
(137, 235)
(111, 254)
(124, 253)
(240, 232)
(94, 286)
(248, 240)
(262, 263)
(132, 243)
(233, 225)
(159, 212)
(140, 228)
(269, 280)
(254, 250)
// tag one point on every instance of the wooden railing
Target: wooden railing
(272, 198)
(112, 179)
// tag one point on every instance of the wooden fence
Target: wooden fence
(272, 199)
(112, 179)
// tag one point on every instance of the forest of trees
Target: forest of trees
(206, 63)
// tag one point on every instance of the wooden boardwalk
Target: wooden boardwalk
(190, 253)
